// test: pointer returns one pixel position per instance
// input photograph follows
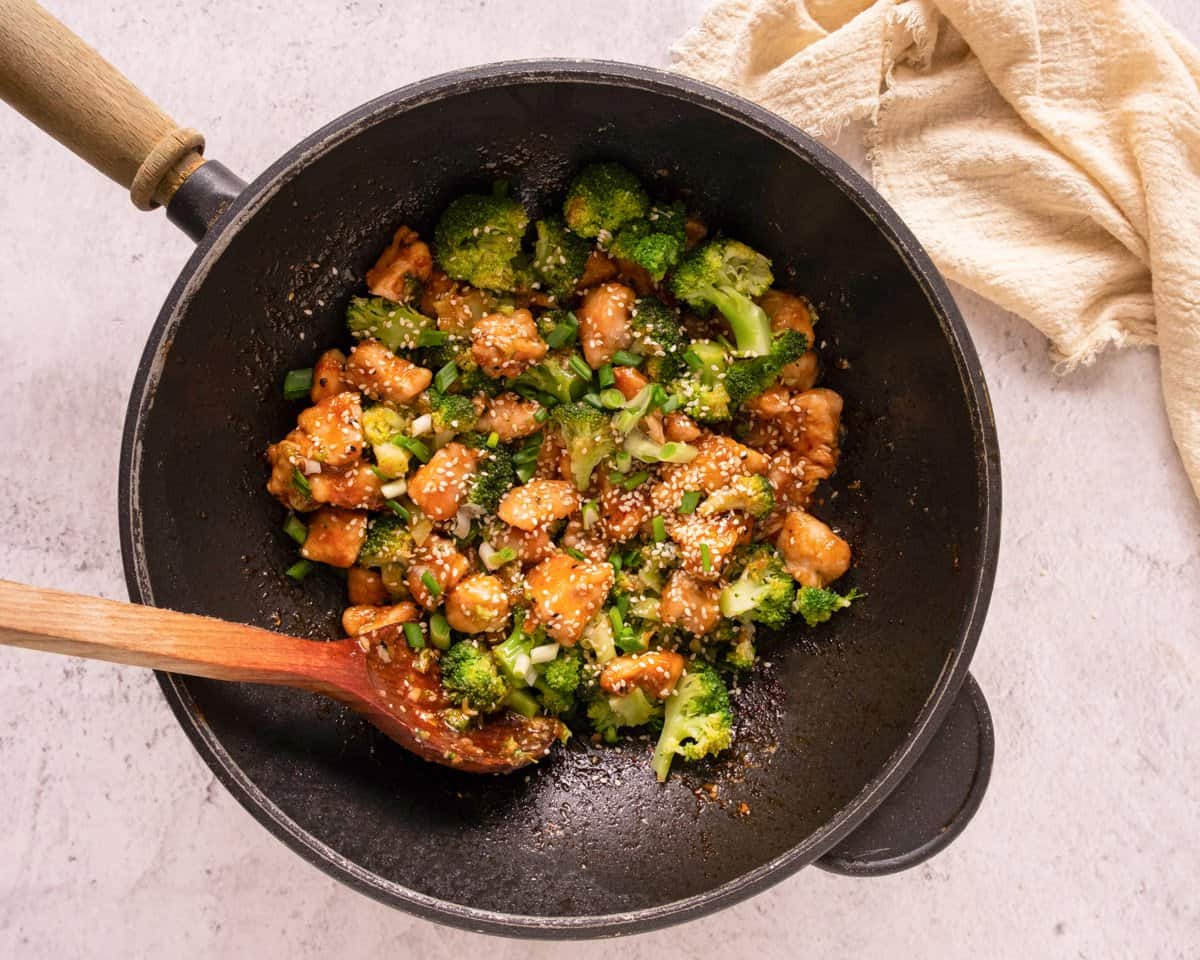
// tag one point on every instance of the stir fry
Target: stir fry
(573, 459)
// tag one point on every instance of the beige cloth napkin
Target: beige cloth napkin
(1045, 152)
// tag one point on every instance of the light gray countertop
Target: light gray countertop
(118, 842)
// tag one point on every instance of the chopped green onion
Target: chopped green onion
(658, 396)
(563, 333)
(295, 529)
(658, 527)
(523, 702)
(672, 404)
(300, 482)
(541, 416)
(379, 473)
(414, 636)
(706, 558)
(445, 377)
(623, 358)
(525, 471)
(579, 365)
(297, 383)
(300, 569)
(493, 440)
(623, 604)
(518, 623)
(439, 631)
(432, 338)
(694, 361)
(612, 399)
(590, 514)
(573, 553)
(431, 584)
(413, 446)
(399, 510)
(605, 375)
(501, 557)
(622, 460)
(530, 450)
(615, 618)
(634, 481)
(593, 399)
(689, 501)
(616, 561)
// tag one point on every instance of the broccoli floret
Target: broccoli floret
(751, 494)
(598, 637)
(702, 392)
(380, 424)
(655, 243)
(603, 198)
(509, 652)
(652, 563)
(552, 378)
(817, 605)
(559, 257)
(725, 274)
(634, 709)
(478, 239)
(388, 541)
(638, 445)
(741, 655)
(559, 682)
(395, 325)
(588, 437)
(469, 673)
(494, 476)
(748, 378)
(764, 592)
(698, 720)
(452, 412)
(659, 338)
(471, 378)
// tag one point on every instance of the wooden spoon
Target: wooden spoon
(388, 682)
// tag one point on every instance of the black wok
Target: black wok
(863, 746)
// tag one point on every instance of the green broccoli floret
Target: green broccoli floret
(634, 709)
(559, 257)
(552, 378)
(588, 437)
(725, 274)
(748, 378)
(598, 637)
(471, 378)
(741, 655)
(388, 541)
(603, 198)
(655, 243)
(764, 592)
(469, 673)
(698, 720)
(701, 391)
(452, 412)
(559, 682)
(509, 652)
(659, 338)
(638, 445)
(395, 325)
(380, 424)
(817, 605)
(652, 563)
(494, 476)
(478, 239)
(751, 494)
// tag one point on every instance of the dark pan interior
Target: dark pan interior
(590, 832)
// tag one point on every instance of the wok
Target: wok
(862, 747)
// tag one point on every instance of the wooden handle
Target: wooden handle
(75, 95)
(164, 640)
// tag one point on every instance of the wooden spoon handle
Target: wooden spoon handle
(75, 95)
(165, 640)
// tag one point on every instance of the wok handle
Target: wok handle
(933, 803)
(75, 95)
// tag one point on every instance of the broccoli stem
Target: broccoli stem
(750, 323)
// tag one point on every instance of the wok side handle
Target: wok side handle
(933, 803)
(65, 87)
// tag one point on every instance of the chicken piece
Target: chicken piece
(439, 487)
(288, 481)
(334, 429)
(690, 603)
(479, 604)
(636, 276)
(405, 260)
(381, 375)
(807, 423)
(510, 416)
(720, 460)
(593, 544)
(623, 512)
(788, 311)
(439, 558)
(335, 536)
(365, 587)
(357, 487)
(455, 305)
(530, 546)
(794, 479)
(802, 374)
(329, 376)
(553, 462)
(504, 344)
(567, 593)
(538, 503)
(604, 326)
(598, 269)
(680, 428)
(813, 553)
(629, 380)
(655, 671)
(362, 619)
(707, 543)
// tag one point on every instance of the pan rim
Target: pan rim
(291, 164)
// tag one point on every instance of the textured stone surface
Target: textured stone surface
(117, 842)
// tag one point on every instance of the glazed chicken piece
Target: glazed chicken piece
(656, 672)
(381, 375)
(706, 544)
(364, 618)
(593, 544)
(530, 546)
(567, 593)
(334, 429)
(479, 604)
(329, 376)
(538, 503)
(690, 603)
(597, 269)
(440, 559)
(719, 461)
(365, 587)
(814, 554)
(510, 417)
(604, 326)
(406, 259)
(504, 344)
(456, 306)
(791, 312)
(802, 430)
(680, 428)
(356, 487)
(623, 512)
(335, 536)
(439, 487)
(288, 483)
